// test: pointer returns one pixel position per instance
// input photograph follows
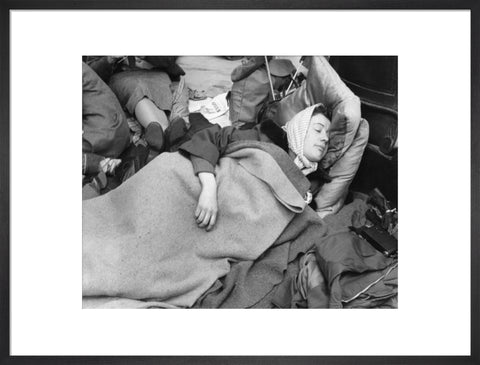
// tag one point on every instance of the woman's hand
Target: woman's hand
(207, 209)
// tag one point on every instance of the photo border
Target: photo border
(6, 6)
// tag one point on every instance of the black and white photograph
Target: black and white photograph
(239, 182)
(241, 161)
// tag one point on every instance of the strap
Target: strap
(269, 78)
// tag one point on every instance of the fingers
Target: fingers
(201, 215)
(213, 219)
(206, 217)
(205, 220)
(198, 210)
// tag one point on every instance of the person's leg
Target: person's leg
(146, 112)
(154, 120)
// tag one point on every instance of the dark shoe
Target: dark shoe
(175, 71)
(175, 134)
(167, 64)
(91, 163)
(155, 137)
(133, 158)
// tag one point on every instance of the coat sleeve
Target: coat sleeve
(206, 146)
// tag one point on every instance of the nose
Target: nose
(323, 136)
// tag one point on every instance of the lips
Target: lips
(321, 150)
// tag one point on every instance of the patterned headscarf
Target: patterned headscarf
(296, 130)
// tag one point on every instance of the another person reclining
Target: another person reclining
(304, 138)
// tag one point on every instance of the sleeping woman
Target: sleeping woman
(305, 138)
(141, 247)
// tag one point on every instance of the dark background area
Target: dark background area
(375, 80)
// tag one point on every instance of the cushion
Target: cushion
(324, 85)
(331, 196)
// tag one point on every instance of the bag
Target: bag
(381, 230)
(378, 238)
(251, 87)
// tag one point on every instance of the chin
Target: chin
(316, 158)
(319, 156)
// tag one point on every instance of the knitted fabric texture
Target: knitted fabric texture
(296, 130)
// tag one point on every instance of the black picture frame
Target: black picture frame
(6, 6)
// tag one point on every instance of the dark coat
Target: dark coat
(206, 146)
(104, 123)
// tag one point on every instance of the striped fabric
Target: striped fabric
(296, 130)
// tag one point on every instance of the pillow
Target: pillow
(331, 196)
(324, 85)
(348, 134)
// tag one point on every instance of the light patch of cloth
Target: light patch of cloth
(296, 130)
(218, 106)
(214, 109)
(137, 131)
(141, 242)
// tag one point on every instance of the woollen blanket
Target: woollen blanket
(141, 241)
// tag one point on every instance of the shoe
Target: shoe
(175, 71)
(175, 134)
(155, 137)
(133, 159)
(167, 64)
(91, 163)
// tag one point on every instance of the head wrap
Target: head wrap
(296, 130)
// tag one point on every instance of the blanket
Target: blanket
(265, 282)
(140, 241)
(341, 270)
(251, 284)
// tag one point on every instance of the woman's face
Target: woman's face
(316, 139)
